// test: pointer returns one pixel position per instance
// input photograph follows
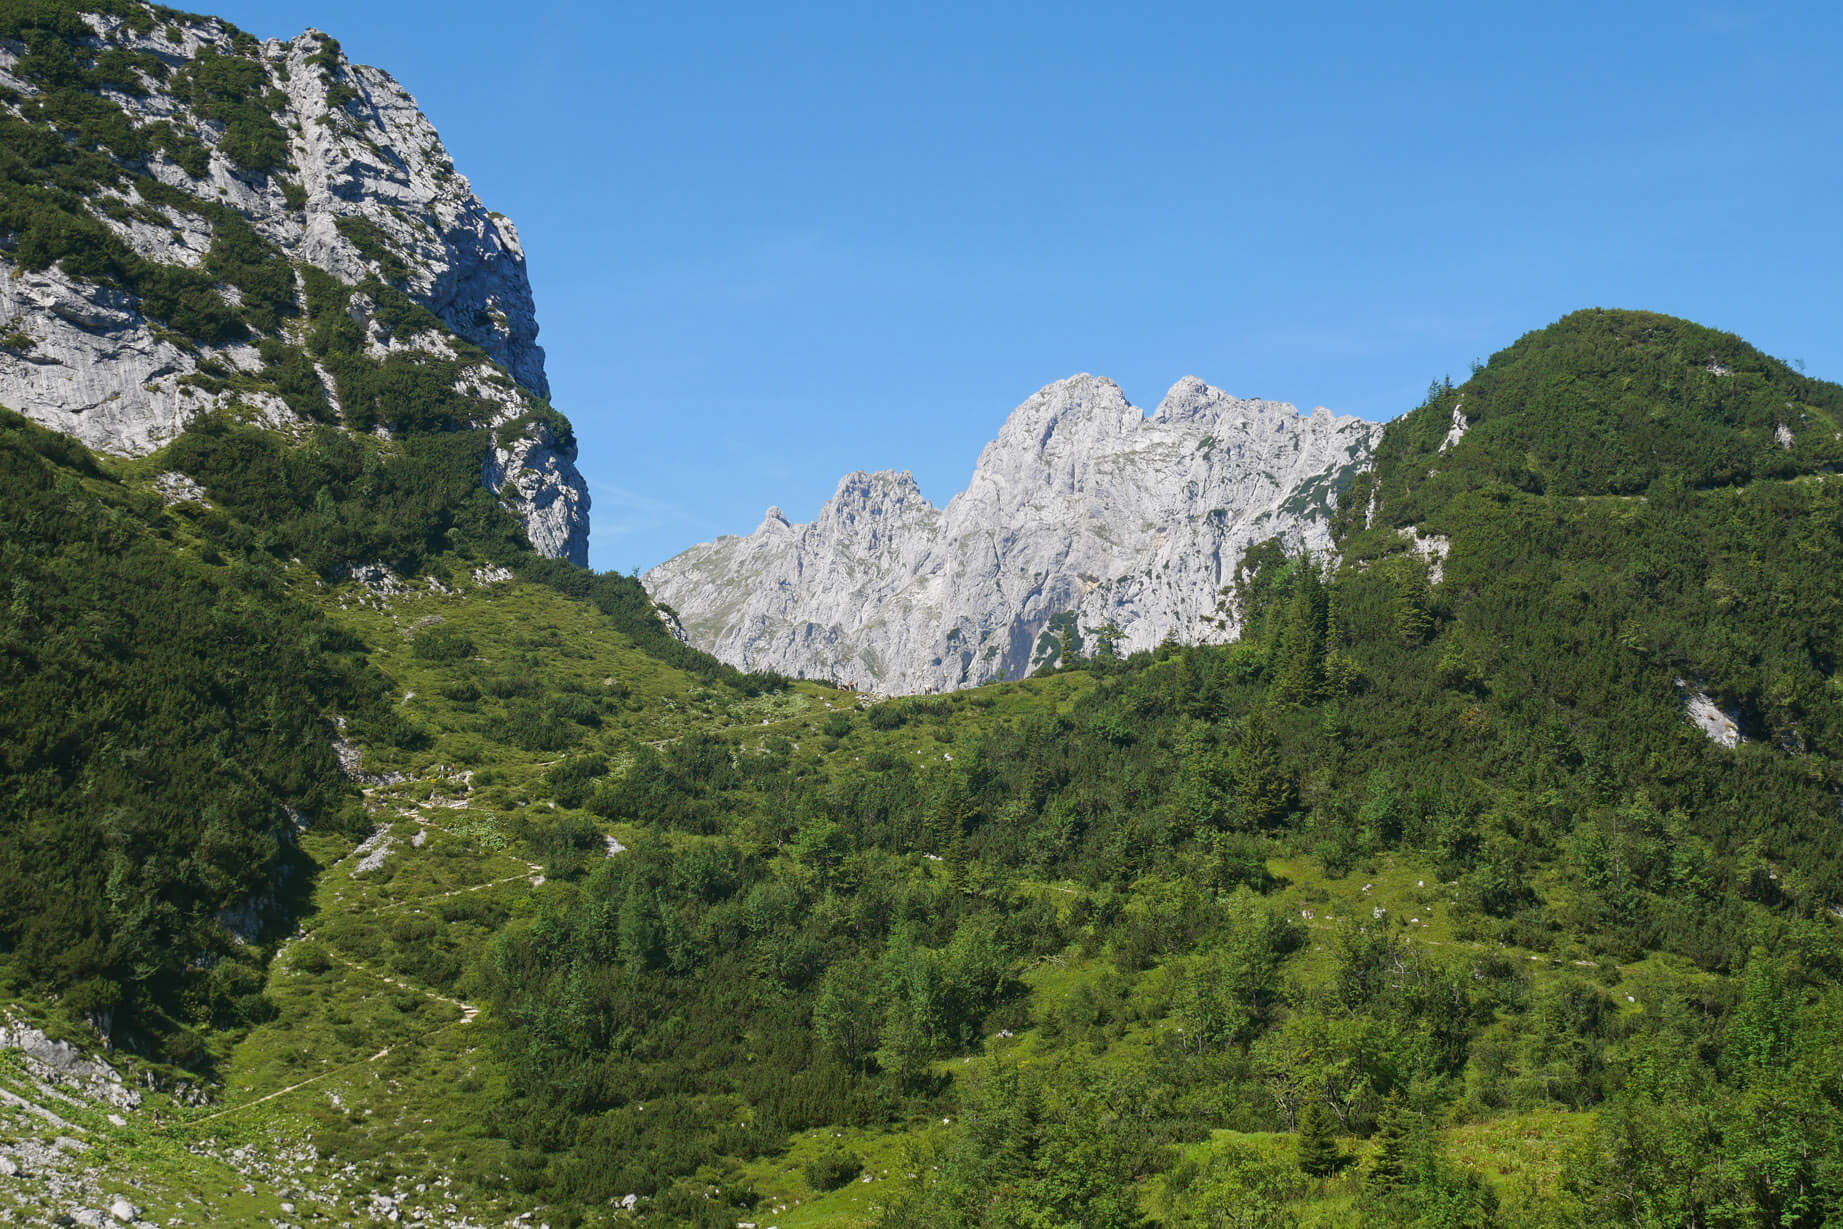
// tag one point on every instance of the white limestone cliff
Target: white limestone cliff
(1082, 506)
(82, 359)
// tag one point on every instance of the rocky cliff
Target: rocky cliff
(1086, 522)
(194, 220)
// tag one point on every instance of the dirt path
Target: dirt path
(468, 1010)
(312, 1079)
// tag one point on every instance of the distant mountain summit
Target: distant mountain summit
(192, 220)
(1086, 523)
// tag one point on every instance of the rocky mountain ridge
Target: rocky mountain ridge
(1085, 521)
(207, 188)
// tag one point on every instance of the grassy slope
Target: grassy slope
(375, 1057)
(381, 1066)
(372, 1055)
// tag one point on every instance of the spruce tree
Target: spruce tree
(1318, 1150)
(950, 813)
(1301, 676)
(1203, 785)
(1413, 606)
(1388, 1169)
(1262, 785)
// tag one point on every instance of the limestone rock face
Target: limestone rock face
(1083, 516)
(368, 192)
(536, 472)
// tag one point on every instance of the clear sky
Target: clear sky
(772, 243)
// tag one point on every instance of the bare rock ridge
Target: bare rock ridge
(1084, 519)
(367, 190)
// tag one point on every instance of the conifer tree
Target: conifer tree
(1263, 575)
(1760, 1031)
(1318, 1150)
(1300, 678)
(1203, 787)
(1262, 784)
(950, 813)
(1341, 672)
(1394, 1139)
(1413, 606)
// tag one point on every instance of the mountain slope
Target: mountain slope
(161, 748)
(1437, 868)
(1084, 519)
(1660, 479)
(194, 221)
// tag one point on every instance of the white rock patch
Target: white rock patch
(1432, 547)
(372, 853)
(176, 488)
(1721, 726)
(1457, 432)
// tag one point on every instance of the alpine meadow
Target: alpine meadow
(1228, 817)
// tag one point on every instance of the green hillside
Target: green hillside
(1425, 903)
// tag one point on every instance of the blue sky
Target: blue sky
(774, 243)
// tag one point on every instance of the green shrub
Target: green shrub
(439, 644)
(833, 1168)
(231, 90)
(572, 781)
(886, 716)
(374, 245)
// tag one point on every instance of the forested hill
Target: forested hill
(1641, 489)
(1426, 903)
(1608, 403)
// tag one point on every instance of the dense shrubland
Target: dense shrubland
(814, 938)
(164, 730)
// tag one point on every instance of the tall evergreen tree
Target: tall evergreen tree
(1301, 674)
(1761, 1029)
(1263, 787)
(1318, 1151)
(1396, 1127)
(1413, 605)
(950, 813)
(1203, 791)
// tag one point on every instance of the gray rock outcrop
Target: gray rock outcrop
(1085, 519)
(60, 1064)
(368, 191)
(535, 471)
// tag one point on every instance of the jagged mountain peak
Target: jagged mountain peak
(1081, 405)
(871, 484)
(1080, 507)
(1191, 400)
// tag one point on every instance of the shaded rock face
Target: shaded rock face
(1084, 515)
(368, 192)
